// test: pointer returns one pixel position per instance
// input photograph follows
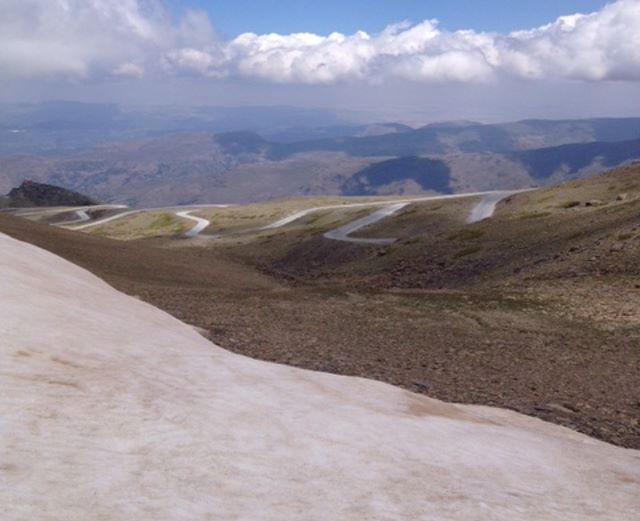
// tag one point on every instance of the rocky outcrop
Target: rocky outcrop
(30, 193)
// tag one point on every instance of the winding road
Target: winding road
(201, 223)
(200, 227)
(301, 213)
(342, 233)
(105, 220)
(483, 209)
(82, 216)
(487, 205)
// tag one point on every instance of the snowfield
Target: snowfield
(113, 410)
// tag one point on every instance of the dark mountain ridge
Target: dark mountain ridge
(441, 138)
(429, 174)
(32, 194)
(543, 163)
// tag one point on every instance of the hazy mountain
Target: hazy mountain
(60, 126)
(443, 138)
(242, 166)
(572, 159)
(301, 134)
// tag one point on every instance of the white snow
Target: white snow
(113, 410)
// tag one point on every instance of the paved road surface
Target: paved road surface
(82, 217)
(342, 233)
(201, 223)
(487, 205)
(482, 210)
(132, 212)
(106, 220)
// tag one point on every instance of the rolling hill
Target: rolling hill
(243, 166)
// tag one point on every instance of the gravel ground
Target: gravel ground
(524, 346)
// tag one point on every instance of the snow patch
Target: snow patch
(112, 409)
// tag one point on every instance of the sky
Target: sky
(232, 18)
(406, 60)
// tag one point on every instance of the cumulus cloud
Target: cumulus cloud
(599, 46)
(88, 38)
(128, 37)
(128, 70)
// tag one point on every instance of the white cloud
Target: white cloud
(128, 70)
(87, 38)
(599, 46)
(301, 58)
(194, 61)
(81, 38)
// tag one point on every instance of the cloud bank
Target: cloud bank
(89, 39)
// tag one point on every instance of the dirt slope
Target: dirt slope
(126, 413)
(523, 319)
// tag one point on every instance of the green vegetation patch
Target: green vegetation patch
(467, 251)
(570, 204)
(162, 221)
(466, 235)
(534, 215)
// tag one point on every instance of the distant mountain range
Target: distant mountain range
(62, 126)
(474, 137)
(178, 167)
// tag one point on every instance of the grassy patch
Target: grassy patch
(625, 236)
(162, 221)
(621, 207)
(466, 235)
(534, 215)
(467, 251)
(570, 204)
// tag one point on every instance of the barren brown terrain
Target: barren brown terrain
(536, 309)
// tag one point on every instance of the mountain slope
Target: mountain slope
(240, 167)
(535, 309)
(475, 137)
(389, 175)
(149, 420)
(571, 159)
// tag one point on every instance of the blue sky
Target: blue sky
(232, 17)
